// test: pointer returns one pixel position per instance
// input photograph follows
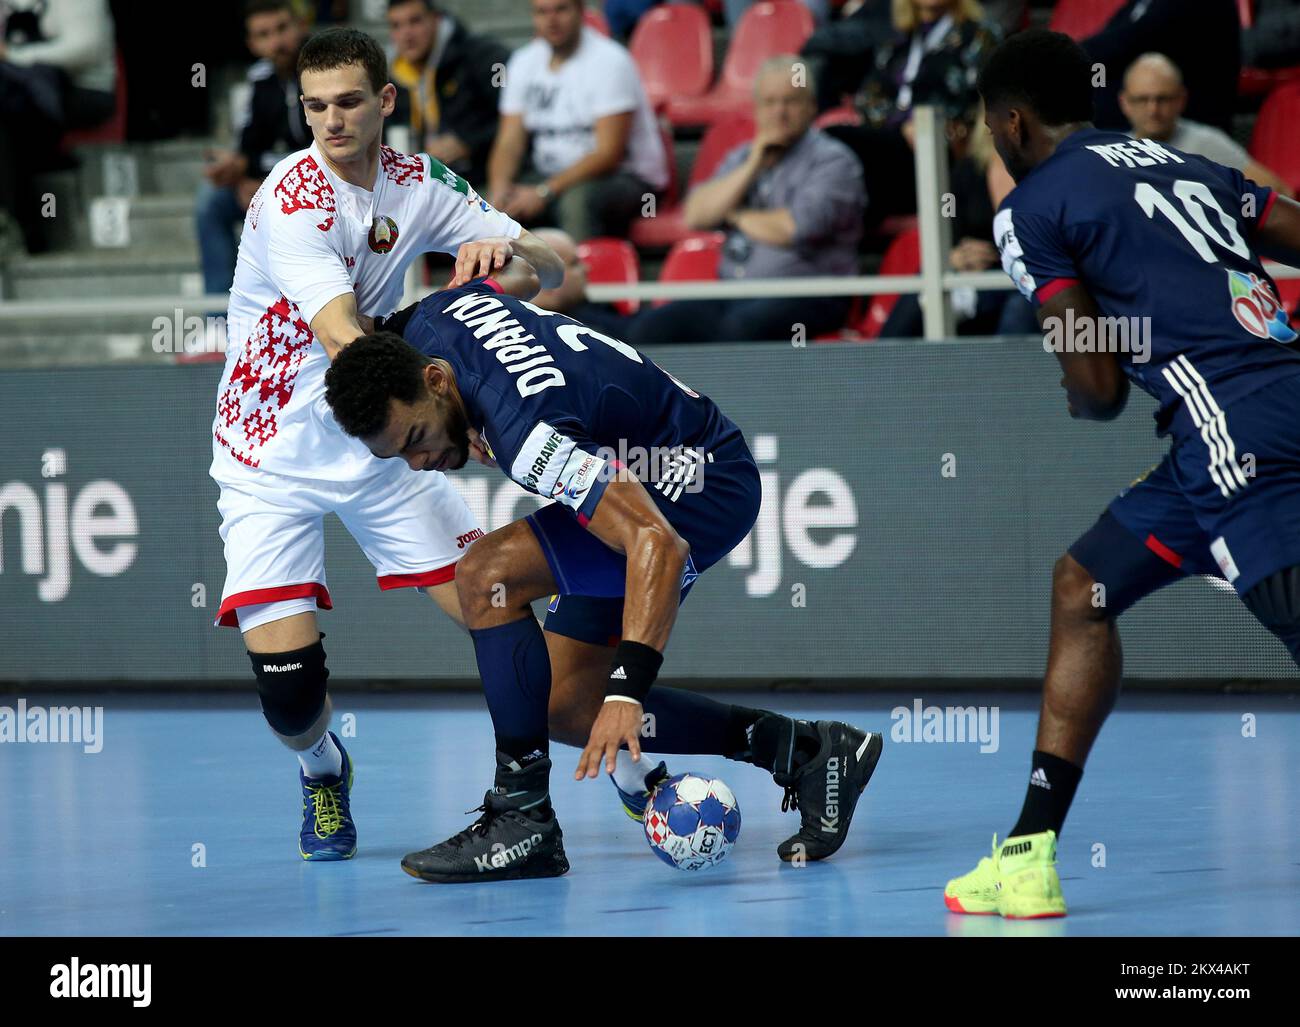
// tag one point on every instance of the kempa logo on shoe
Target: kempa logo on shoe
(831, 821)
(502, 856)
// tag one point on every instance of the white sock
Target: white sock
(323, 759)
(630, 776)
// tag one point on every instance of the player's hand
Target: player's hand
(526, 203)
(478, 449)
(479, 258)
(617, 722)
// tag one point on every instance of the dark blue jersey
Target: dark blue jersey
(559, 404)
(1162, 240)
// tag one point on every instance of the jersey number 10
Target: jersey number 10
(1196, 198)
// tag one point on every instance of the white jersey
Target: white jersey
(309, 237)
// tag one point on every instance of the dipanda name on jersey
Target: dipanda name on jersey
(555, 400)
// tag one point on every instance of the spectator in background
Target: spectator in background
(1153, 100)
(978, 184)
(273, 126)
(446, 80)
(570, 296)
(1273, 41)
(57, 72)
(791, 201)
(840, 50)
(596, 152)
(1202, 37)
(933, 58)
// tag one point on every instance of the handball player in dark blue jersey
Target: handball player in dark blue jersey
(652, 484)
(1145, 265)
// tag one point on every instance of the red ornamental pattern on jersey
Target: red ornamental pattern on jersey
(262, 380)
(401, 168)
(305, 187)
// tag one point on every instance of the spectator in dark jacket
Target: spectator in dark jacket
(933, 58)
(1273, 41)
(273, 127)
(1202, 37)
(447, 81)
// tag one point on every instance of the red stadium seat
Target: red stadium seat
(1080, 19)
(673, 49)
(693, 260)
(1275, 142)
(846, 114)
(767, 29)
(1260, 81)
(614, 261)
(595, 18)
(111, 131)
(902, 258)
(668, 226)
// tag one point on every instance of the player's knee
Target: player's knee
(1075, 592)
(291, 687)
(481, 582)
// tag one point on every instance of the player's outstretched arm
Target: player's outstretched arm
(1279, 236)
(545, 261)
(337, 324)
(628, 521)
(1095, 384)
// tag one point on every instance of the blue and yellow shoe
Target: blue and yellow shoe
(328, 832)
(634, 805)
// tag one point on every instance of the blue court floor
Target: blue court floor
(1183, 826)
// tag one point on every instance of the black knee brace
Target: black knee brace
(1275, 602)
(292, 688)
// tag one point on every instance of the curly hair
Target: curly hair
(1047, 71)
(338, 47)
(366, 375)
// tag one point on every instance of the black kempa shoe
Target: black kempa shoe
(517, 836)
(826, 788)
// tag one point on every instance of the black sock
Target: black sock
(1052, 784)
(689, 723)
(782, 744)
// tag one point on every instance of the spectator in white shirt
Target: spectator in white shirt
(574, 105)
(1153, 100)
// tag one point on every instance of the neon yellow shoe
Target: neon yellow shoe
(1028, 885)
(1018, 880)
(977, 892)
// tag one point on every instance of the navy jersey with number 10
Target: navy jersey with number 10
(558, 403)
(1161, 240)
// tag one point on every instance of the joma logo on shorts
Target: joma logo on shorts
(463, 540)
(503, 857)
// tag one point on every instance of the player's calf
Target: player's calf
(292, 689)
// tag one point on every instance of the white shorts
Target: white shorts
(413, 527)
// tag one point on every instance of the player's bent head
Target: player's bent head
(1034, 81)
(346, 94)
(399, 402)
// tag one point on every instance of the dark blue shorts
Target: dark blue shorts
(713, 512)
(1225, 502)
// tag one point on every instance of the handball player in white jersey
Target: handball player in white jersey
(326, 243)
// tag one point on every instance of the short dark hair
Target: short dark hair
(338, 47)
(366, 375)
(255, 7)
(428, 5)
(1047, 71)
